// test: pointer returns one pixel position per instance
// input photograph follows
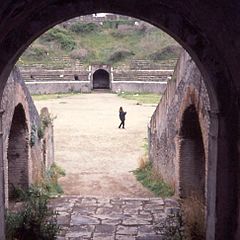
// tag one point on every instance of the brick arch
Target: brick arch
(203, 29)
(17, 152)
(169, 16)
(192, 157)
(194, 115)
(101, 79)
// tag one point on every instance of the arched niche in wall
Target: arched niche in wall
(192, 160)
(101, 79)
(17, 152)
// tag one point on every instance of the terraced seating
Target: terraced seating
(54, 75)
(147, 75)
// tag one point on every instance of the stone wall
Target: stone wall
(48, 140)
(22, 149)
(173, 151)
(61, 81)
(139, 86)
(34, 75)
(58, 87)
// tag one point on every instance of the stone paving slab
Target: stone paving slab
(111, 219)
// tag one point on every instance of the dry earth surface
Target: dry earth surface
(97, 156)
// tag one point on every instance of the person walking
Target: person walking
(122, 117)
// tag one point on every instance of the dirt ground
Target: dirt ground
(97, 156)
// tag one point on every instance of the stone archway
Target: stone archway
(204, 32)
(17, 152)
(101, 79)
(192, 162)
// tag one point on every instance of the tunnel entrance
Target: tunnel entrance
(17, 153)
(192, 156)
(101, 79)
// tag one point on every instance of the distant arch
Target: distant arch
(17, 152)
(101, 79)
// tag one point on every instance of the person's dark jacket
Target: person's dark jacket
(122, 115)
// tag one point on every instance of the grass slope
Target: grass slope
(91, 43)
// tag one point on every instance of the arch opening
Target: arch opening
(191, 156)
(17, 153)
(101, 79)
(208, 62)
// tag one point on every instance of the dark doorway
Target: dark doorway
(17, 153)
(101, 79)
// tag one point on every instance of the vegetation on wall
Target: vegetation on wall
(50, 180)
(35, 220)
(146, 175)
(154, 183)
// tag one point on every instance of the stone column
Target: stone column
(2, 195)
(211, 180)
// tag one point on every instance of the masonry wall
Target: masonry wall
(48, 139)
(24, 134)
(58, 87)
(185, 89)
(149, 87)
(45, 81)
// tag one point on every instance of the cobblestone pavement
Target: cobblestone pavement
(111, 219)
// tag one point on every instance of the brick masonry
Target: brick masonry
(177, 154)
(23, 164)
(211, 39)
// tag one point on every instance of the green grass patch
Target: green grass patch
(147, 98)
(42, 97)
(146, 176)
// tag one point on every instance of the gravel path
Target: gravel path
(97, 156)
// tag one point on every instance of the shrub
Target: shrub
(47, 120)
(84, 28)
(50, 182)
(117, 23)
(60, 36)
(33, 136)
(40, 132)
(119, 56)
(35, 220)
(36, 53)
(79, 54)
(166, 53)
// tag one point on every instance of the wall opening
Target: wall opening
(76, 78)
(17, 153)
(191, 156)
(101, 79)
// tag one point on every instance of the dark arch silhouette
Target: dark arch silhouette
(192, 156)
(101, 79)
(209, 37)
(17, 153)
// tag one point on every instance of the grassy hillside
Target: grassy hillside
(113, 42)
